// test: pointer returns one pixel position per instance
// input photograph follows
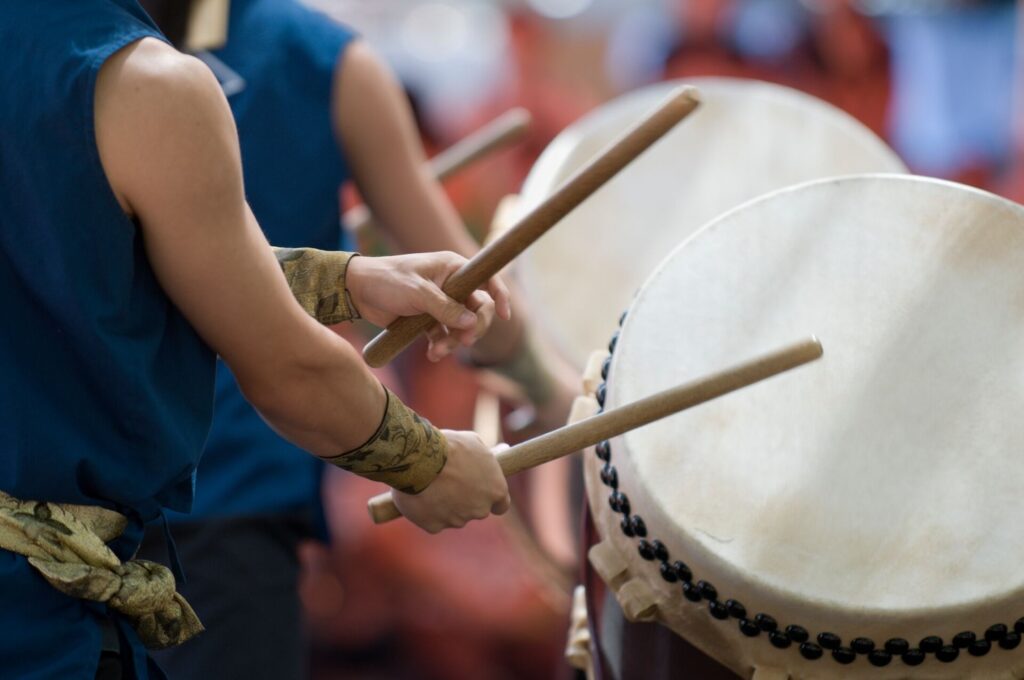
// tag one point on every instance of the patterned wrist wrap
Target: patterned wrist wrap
(317, 280)
(406, 452)
(67, 545)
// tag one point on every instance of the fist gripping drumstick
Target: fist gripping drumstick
(494, 256)
(505, 129)
(612, 423)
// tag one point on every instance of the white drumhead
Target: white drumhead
(877, 490)
(746, 138)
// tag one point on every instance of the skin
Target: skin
(169, 147)
(376, 127)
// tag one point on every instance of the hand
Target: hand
(471, 486)
(534, 419)
(384, 288)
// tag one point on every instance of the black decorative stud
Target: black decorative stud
(645, 549)
(913, 657)
(660, 551)
(610, 476)
(767, 623)
(708, 591)
(829, 640)
(614, 341)
(879, 658)
(897, 646)
(1018, 626)
(691, 592)
(930, 644)
(602, 391)
(668, 573)
(749, 628)
(843, 655)
(606, 366)
(947, 654)
(627, 527)
(779, 639)
(995, 632)
(797, 633)
(736, 609)
(979, 648)
(622, 317)
(963, 640)
(810, 651)
(622, 502)
(639, 528)
(604, 450)
(862, 645)
(1011, 641)
(718, 610)
(682, 571)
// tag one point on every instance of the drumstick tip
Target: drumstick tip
(688, 91)
(815, 344)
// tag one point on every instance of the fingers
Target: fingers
(443, 342)
(502, 506)
(481, 304)
(501, 296)
(440, 343)
(443, 309)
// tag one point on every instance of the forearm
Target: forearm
(335, 409)
(313, 389)
(424, 219)
(168, 146)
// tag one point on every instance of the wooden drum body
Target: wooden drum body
(855, 518)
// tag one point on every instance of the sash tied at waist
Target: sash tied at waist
(67, 545)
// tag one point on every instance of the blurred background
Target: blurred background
(942, 81)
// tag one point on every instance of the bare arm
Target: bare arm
(167, 142)
(374, 122)
(168, 145)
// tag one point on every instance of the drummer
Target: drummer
(129, 258)
(315, 107)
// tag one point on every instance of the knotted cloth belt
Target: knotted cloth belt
(67, 545)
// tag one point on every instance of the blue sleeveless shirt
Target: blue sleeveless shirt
(106, 389)
(277, 70)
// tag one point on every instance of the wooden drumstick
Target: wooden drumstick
(505, 129)
(495, 255)
(617, 421)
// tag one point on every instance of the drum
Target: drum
(856, 517)
(746, 138)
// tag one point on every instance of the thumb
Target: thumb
(445, 310)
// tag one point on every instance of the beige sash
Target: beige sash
(67, 545)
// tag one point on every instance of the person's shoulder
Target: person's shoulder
(152, 70)
(157, 109)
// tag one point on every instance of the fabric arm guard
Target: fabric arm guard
(317, 280)
(406, 452)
